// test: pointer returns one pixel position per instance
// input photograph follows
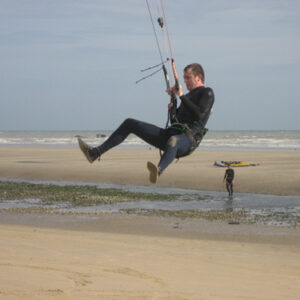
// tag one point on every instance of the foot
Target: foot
(90, 153)
(154, 172)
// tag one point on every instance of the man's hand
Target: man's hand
(177, 92)
(169, 92)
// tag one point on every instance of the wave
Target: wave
(231, 140)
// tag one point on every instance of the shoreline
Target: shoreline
(88, 200)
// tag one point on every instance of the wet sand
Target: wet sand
(129, 257)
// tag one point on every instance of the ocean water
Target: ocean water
(288, 141)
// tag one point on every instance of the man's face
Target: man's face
(191, 81)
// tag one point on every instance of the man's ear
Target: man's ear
(200, 78)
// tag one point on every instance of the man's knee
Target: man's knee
(172, 141)
(129, 123)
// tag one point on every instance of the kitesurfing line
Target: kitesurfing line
(161, 21)
(169, 60)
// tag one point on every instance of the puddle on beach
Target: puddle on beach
(266, 209)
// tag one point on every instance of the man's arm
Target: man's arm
(207, 100)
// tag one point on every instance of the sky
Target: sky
(73, 65)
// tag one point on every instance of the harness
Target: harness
(195, 138)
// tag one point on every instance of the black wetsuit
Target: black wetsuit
(229, 176)
(193, 111)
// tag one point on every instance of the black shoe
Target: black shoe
(154, 172)
(90, 153)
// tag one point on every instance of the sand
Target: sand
(39, 262)
(129, 257)
(277, 173)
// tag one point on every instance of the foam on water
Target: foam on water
(231, 140)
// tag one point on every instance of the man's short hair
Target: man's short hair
(197, 70)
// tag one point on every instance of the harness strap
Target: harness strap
(180, 127)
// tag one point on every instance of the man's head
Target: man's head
(193, 76)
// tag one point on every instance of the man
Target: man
(178, 140)
(229, 176)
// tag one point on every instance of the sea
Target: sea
(246, 140)
(270, 209)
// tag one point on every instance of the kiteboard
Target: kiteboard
(234, 163)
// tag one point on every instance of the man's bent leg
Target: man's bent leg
(150, 133)
(177, 146)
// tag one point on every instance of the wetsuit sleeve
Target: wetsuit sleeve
(194, 109)
(225, 175)
(200, 111)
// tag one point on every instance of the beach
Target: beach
(122, 256)
(277, 173)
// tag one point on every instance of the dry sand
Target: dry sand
(126, 257)
(46, 263)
